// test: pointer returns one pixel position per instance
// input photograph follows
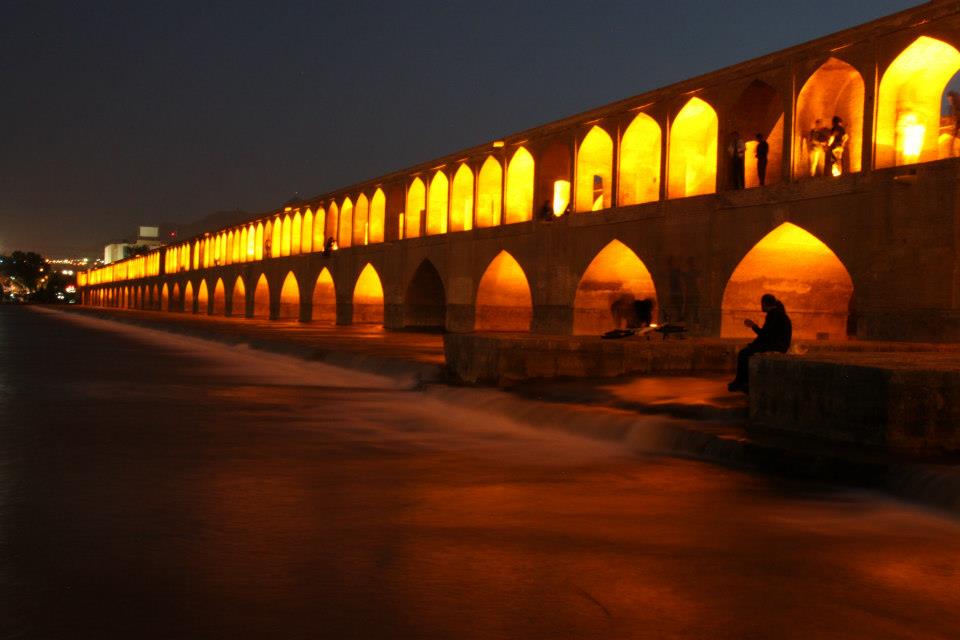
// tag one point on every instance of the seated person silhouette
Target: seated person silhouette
(774, 335)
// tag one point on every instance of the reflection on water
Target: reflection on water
(168, 492)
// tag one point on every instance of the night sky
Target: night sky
(117, 114)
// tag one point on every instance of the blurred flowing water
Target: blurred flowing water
(155, 486)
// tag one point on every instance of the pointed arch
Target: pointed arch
(437, 199)
(286, 235)
(594, 171)
(219, 299)
(289, 298)
(519, 191)
(189, 301)
(176, 298)
(296, 229)
(319, 228)
(378, 214)
(276, 242)
(325, 298)
(800, 270)
(237, 247)
(834, 89)
(425, 302)
(361, 221)
(333, 221)
(345, 237)
(258, 247)
(461, 199)
(759, 109)
(306, 236)
(911, 93)
(238, 301)
(489, 193)
(416, 205)
(261, 298)
(203, 298)
(368, 297)
(639, 171)
(504, 301)
(693, 150)
(611, 283)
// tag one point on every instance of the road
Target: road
(163, 487)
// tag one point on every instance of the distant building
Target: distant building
(146, 237)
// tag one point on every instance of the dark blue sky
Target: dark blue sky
(115, 114)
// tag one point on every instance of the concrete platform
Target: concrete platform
(906, 401)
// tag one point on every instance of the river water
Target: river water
(154, 486)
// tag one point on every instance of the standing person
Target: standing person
(774, 335)
(954, 99)
(546, 211)
(835, 145)
(763, 150)
(737, 151)
(816, 146)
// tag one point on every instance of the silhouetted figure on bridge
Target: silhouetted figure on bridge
(816, 147)
(546, 211)
(763, 150)
(329, 246)
(774, 335)
(835, 146)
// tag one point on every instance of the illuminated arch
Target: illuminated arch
(416, 205)
(333, 219)
(325, 298)
(189, 302)
(519, 192)
(289, 298)
(286, 236)
(368, 297)
(489, 193)
(296, 230)
(237, 247)
(203, 298)
(461, 200)
(504, 302)
(594, 171)
(258, 248)
(276, 242)
(306, 235)
(693, 150)
(615, 278)
(425, 303)
(834, 89)
(238, 301)
(345, 237)
(378, 214)
(243, 244)
(759, 109)
(803, 273)
(908, 111)
(176, 299)
(639, 174)
(437, 198)
(219, 299)
(261, 298)
(319, 228)
(361, 221)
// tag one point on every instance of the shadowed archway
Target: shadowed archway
(425, 303)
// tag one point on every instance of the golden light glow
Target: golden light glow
(333, 215)
(251, 244)
(416, 205)
(361, 221)
(306, 232)
(378, 215)
(203, 298)
(289, 298)
(803, 273)
(258, 247)
(437, 199)
(238, 300)
(461, 200)
(276, 242)
(164, 298)
(345, 237)
(639, 175)
(693, 150)
(368, 297)
(319, 228)
(908, 109)
(286, 236)
(519, 191)
(325, 298)
(616, 275)
(219, 298)
(489, 193)
(775, 141)
(237, 250)
(561, 197)
(594, 171)
(503, 299)
(835, 89)
(296, 231)
(261, 298)
(188, 301)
